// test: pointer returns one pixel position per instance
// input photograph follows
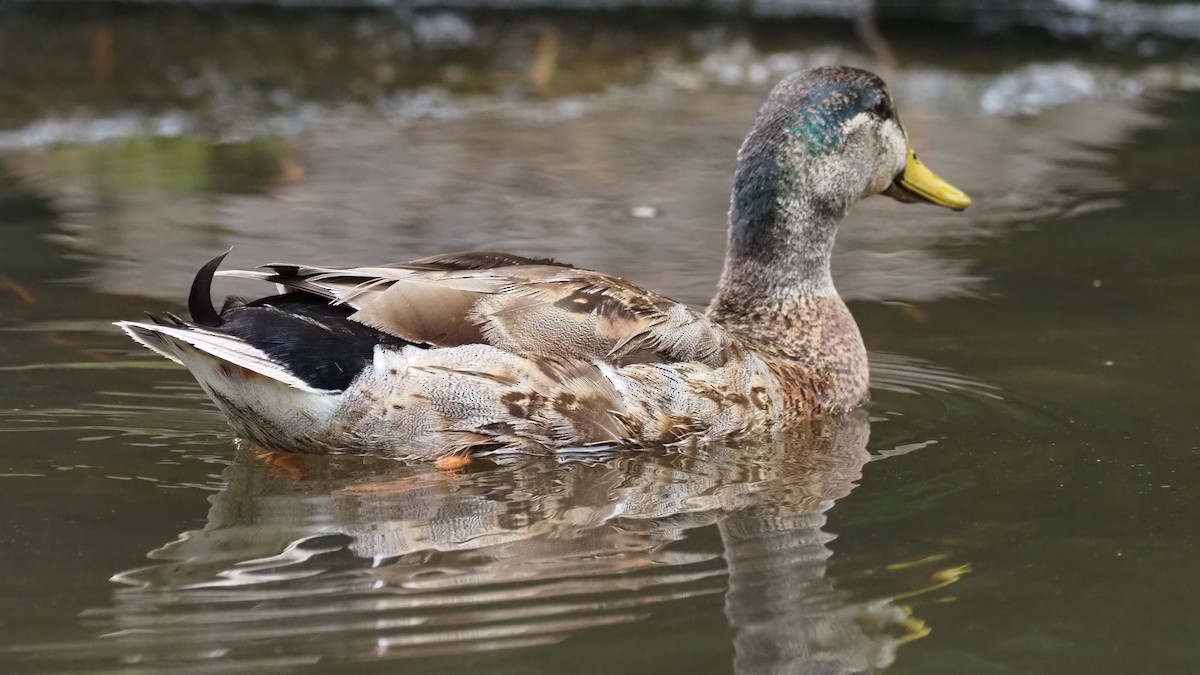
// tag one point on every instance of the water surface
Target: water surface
(1015, 499)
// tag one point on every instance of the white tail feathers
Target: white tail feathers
(181, 344)
(265, 403)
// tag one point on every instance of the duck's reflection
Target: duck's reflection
(305, 560)
(787, 614)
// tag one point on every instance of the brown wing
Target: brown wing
(582, 314)
(477, 260)
(526, 306)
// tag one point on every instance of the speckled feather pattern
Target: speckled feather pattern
(487, 400)
(493, 353)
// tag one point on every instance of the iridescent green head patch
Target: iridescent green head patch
(822, 116)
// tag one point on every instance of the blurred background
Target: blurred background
(1019, 496)
(160, 132)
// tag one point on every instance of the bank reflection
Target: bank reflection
(303, 559)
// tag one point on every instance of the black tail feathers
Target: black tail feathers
(200, 298)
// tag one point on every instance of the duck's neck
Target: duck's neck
(780, 244)
(777, 293)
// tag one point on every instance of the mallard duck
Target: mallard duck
(468, 354)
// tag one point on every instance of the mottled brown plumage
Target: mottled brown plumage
(491, 353)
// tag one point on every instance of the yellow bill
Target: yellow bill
(918, 184)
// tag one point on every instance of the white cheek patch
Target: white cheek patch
(852, 124)
(891, 140)
(890, 151)
(895, 145)
(884, 146)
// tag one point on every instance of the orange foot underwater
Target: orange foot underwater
(283, 464)
(453, 462)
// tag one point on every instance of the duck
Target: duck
(463, 355)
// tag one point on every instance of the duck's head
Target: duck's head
(825, 138)
(832, 134)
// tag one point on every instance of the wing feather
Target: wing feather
(526, 306)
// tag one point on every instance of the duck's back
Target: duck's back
(528, 307)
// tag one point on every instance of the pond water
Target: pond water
(1019, 496)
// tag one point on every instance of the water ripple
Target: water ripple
(351, 558)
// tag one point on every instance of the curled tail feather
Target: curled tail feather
(200, 304)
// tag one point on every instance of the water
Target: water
(1015, 499)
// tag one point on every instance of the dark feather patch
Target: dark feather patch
(200, 299)
(317, 342)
